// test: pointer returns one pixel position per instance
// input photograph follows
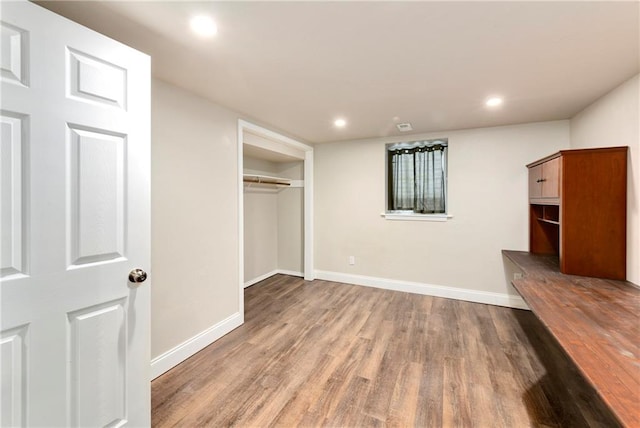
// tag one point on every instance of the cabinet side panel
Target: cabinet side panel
(593, 214)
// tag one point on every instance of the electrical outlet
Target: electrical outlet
(352, 260)
(517, 275)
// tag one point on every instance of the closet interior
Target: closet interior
(273, 184)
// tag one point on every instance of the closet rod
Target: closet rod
(260, 180)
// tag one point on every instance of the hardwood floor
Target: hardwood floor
(328, 354)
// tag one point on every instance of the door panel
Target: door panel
(14, 54)
(75, 220)
(535, 189)
(13, 250)
(97, 189)
(14, 376)
(98, 357)
(551, 175)
(94, 80)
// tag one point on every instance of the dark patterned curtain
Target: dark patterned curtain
(418, 177)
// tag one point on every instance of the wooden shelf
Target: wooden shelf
(544, 220)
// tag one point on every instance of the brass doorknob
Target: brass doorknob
(137, 276)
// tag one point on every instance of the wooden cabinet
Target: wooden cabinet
(544, 181)
(577, 210)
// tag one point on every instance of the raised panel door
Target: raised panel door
(74, 332)
(550, 179)
(535, 188)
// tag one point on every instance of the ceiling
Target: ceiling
(297, 66)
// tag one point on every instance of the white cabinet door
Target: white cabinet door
(75, 221)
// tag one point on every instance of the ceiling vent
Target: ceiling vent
(404, 127)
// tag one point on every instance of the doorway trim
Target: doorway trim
(285, 142)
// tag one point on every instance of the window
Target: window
(417, 177)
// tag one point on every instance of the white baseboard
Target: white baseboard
(270, 274)
(498, 299)
(290, 272)
(175, 356)
(260, 278)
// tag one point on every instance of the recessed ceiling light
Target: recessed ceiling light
(340, 123)
(493, 102)
(404, 127)
(203, 26)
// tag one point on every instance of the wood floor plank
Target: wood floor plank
(348, 413)
(379, 400)
(328, 354)
(378, 344)
(300, 402)
(324, 406)
(403, 411)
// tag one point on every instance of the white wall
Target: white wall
(194, 223)
(291, 220)
(613, 120)
(273, 222)
(487, 197)
(260, 223)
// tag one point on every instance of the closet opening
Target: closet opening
(275, 198)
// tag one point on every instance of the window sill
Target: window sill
(416, 217)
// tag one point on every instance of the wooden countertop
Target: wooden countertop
(597, 323)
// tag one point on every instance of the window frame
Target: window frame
(410, 214)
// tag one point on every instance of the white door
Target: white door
(75, 221)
